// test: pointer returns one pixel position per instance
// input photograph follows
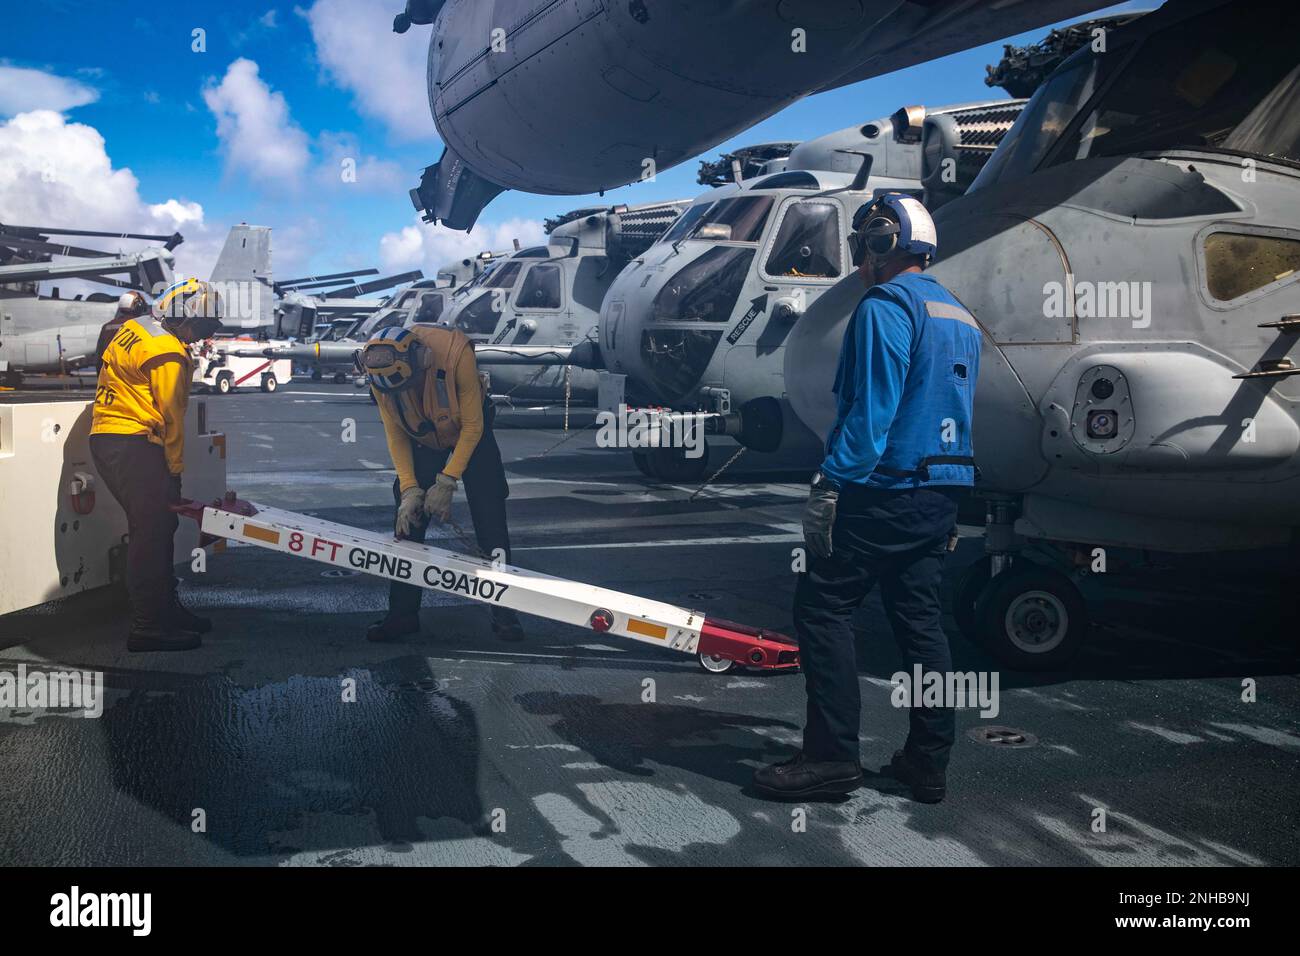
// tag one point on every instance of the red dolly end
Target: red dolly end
(751, 646)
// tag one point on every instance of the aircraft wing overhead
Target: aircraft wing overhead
(595, 95)
(918, 32)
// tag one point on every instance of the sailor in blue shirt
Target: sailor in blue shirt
(883, 505)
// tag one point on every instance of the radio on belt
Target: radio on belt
(718, 643)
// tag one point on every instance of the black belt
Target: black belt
(922, 470)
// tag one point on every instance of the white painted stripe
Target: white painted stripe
(358, 393)
(669, 543)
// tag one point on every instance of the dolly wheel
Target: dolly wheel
(716, 665)
(225, 382)
(1032, 618)
(340, 378)
(269, 384)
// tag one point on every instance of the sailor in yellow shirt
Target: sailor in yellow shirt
(137, 440)
(438, 425)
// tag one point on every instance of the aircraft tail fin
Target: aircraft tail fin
(243, 277)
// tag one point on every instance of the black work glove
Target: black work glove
(173, 489)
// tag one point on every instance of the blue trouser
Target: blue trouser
(898, 539)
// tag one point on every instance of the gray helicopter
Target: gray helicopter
(698, 323)
(51, 334)
(329, 347)
(646, 85)
(1132, 253)
(552, 294)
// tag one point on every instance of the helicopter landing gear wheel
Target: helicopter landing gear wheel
(672, 465)
(642, 463)
(1031, 618)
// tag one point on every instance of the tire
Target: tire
(316, 374)
(340, 378)
(715, 665)
(269, 384)
(642, 462)
(972, 581)
(225, 383)
(672, 465)
(1032, 618)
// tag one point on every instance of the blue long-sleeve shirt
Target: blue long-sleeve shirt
(905, 389)
(874, 359)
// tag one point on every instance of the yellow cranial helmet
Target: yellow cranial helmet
(189, 299)
(390, 358)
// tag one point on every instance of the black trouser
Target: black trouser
(898, 539)
(484, 483)
(135, 471)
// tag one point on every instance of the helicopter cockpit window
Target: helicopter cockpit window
(381, 319)
(808, 242)
(430, 309)
(740, 219)
(1239, 263)
(685, 222)
(541, 288)
(707, 289)
(502, 277)
(480, 316)
(1216, 81)
(1044, 118)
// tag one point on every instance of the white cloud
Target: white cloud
(57, 173)
(268, 19)
(258, 136)
(341, 156)
(385, 71)
(430, 247)
(23, 90)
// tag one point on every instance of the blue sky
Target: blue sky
(253, 128)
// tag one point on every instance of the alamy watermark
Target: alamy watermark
(946, 689)
(77, 909)
(53, 690)
(650, 428)
(1098, 300)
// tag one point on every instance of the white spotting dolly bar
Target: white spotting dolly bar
(531, 592)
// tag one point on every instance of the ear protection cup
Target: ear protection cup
(881, 235)
(890, 223)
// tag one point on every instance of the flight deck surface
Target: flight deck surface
(572, 748)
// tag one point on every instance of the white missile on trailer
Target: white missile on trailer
(495, 583)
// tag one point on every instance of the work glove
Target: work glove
(437, 501)
(173, 489)
(818, 518)
(409, 511)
